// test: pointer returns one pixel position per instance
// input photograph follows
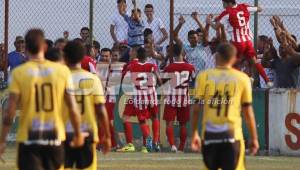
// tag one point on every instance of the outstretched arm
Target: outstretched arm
(177, 29)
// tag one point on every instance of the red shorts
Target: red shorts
(129, 110)
(110, 110)
(245, 49)
(146, 113)
(182, 114)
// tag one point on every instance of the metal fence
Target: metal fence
(57, 16)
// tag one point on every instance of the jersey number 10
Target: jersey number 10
(44, 97)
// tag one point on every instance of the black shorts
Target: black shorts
(226, 156)
(39, 157)
(80, 158)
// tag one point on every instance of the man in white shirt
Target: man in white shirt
(119, 27)
(160, 33)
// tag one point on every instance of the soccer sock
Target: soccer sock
(262, 72)
(112, 132)
(155, 129)
(128, 132)
(145, 131)
(183, 135)
(170, 135)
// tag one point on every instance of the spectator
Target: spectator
(196, 53)
(89, 62)
(17, 57)
(97, 47)
(286, 65)
(152, 56)
(106, 55)
(60, 43)
(160, 33)
(262, 44)
(85, 35)
(135, 27)
(148, 34)
(49, 43)
(115, 55)
(55, 55)
(119, 27)
(124, 52)
(66, 35)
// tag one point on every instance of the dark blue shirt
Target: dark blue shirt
(15, 59)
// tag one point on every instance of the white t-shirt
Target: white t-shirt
(121, 27)
(156, 25)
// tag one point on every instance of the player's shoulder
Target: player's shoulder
(240, 75)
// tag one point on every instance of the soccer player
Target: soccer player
(177, 102)
(144, 77)
(90, 99)
(40, 88)
(129, 109)
(223, 92)
(89, 61)
(236, 19)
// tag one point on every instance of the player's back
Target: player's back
(237, 21)
(224, 92)
(41, 86)
(180, 74)
(88, 92)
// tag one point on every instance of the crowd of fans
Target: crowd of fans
(129, 32)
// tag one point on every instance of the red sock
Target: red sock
(112, 133)
(183, 135)
(262, 72)
(128, 132)
(145, 131)
(170, 135)
(155, 129)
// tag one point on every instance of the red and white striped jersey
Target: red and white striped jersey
(144, 80)
(237, 22)
(180, 75)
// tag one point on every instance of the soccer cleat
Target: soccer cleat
(149, 143)
(144, 150)
(156, 147)
(128, 148)
(174, 149)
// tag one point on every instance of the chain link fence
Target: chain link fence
(53, 16)
(105, 11)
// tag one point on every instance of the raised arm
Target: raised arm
(197, 20)
(135, 14)
(112, 33)
(177, 30)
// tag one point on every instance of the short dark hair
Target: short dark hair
(60, 40)
(138, 10)
(54, 54)
(263, 38)
(96, 44)
(141, 53)
(34, 40)
(74, 52)
(147, 32)
(49, 43)
(84, 29)
(121, 1)
(226, 51)
(106, 50)
(199, 30)
(177, 50)
(79, 40)
(192, 32)
(230, 1)
(149, 6)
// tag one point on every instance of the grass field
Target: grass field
(168, 161)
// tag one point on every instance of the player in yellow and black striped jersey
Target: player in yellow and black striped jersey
(91, 102)
(39, 87)
(224, 92)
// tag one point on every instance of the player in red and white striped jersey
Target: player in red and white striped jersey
(144, 76)
(177, 102)
(236, 19)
